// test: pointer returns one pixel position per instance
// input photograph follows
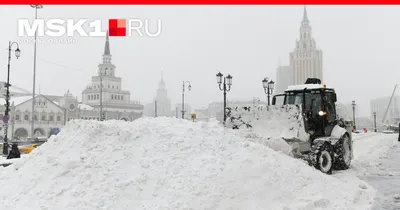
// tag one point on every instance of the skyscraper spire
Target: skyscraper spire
(305, 18)
(107, 46)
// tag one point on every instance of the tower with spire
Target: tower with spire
(163, 102)
(305, 59)
(114, 98)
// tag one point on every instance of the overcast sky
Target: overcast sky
(359, 43)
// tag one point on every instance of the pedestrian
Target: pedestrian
(14, 153)
(399, 133)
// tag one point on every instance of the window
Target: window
(58, 118)
(108, 85)
(112, 97)
(51, 118)
(122, 97)
(118, 97)
(17, 117)
(98, 96)
(43, 117)
(117, 86)
(113, 86)
(26, 117)
(35, 117)
(88, 97)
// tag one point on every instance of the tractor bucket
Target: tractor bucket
(284, 121)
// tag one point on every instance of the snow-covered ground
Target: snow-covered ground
(168, 163)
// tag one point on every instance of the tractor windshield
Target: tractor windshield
(313, 99)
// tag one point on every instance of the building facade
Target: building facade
(52, 112)
(380, 105)
(283, 79)
(306, 59)
(48, 115)
(106, 92)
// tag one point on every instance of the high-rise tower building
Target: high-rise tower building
(306, 59)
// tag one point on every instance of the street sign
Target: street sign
(5, 119)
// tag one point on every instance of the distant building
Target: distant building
(52, 112)
(48, 115)
(201, 114)
(178, 110)
(380, 105)
(116, 101)
(161, 103)
(283, 79)
(306, 59)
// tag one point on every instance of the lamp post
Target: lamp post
(7, 86)
(353, 105)
(155, 108)
(183, 97)
(224, 88)
(268, 86)
(374, 121)
(36, 7)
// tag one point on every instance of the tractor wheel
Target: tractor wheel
(343, 153)
(321, 157)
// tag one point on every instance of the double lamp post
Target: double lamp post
(268, 86)
(224, 86)
(7, 86)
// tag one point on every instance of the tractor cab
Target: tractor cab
(317, 103)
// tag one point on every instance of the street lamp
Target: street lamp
(7, 85)
(36, 7)
(227, 81)
(268, 86)
(374, 121)
(183, 97)
(353, 105)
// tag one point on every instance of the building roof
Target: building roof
(305, 17)
(308, 86)
(107, 46)
(14, 90)
(85, 107)
(16, 100)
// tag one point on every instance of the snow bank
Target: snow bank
(270, 121)
(167, 163)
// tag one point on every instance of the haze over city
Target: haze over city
(359, 45)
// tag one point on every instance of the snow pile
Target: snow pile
(270, 121)
(167, 163)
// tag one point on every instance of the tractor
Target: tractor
(306, 117)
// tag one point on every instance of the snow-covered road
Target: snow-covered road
(386, 179)
(376, 161)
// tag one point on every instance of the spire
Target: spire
(305, 18)
(107, 47)
(162, 76)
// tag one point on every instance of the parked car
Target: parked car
(28, 149)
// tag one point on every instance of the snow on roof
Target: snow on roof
(308, 86)
(16, 100)
(85, 106)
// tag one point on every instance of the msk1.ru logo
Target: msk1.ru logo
(116, 27)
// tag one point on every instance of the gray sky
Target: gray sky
(360, 46)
